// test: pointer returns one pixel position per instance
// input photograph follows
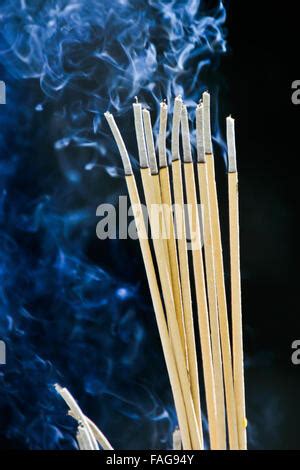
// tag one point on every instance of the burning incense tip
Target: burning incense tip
(139, 129)
(150, 142)
(162, 135)
(176, 128)
(207, 128)
(120, 143)
(187, 153)
(230, 134)
(200, 133)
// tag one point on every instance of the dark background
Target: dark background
(259, 70)
(71, 325)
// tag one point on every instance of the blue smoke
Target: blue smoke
(69, 310)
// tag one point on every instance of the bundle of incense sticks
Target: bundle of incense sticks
(173, 193)
(88, 437)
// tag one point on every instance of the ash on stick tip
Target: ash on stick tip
(58, 388)
(231, 149)
(200, 134)
(120, 143)
(136, 100)
(207, 125)
(187, 153)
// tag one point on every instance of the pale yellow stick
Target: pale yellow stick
(154, 289)
(167, 208)
(152, 196)
(200, 279)
(89, 438)
(195, 431)
(213, 280)
(181, 288)
(235, 276)
(182, 244)
(99, 436)
(163, 197)
(209, 381)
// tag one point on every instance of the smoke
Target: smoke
(69, 310)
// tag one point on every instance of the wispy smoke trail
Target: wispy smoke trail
(65, 318)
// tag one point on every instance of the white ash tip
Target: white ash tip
(231, 149)
(200, 134)
(207, 125)
(187, 153)
(58, 387)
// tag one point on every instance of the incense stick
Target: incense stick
(162, 190)
(213, 314)
(181, 283)
(198, 276)
(82, 438)
(99, 436)
(89, 438)
(236, 305)
(153, 286)
(210, 254)
(152, 199)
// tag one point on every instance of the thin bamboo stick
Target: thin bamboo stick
(213, 281)
(163, 196)
(153, 286)
(181, 281)
(236, 304)
(152, 200)
(89, 438)
(205, 343)
(199, 276)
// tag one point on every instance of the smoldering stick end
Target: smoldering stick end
(207, 125)
(58, 388)
(162, 154)
(120, 143)
(200, 134)
(150, 142)
(176, 128)
(187, 153)
(231, 149)
(138, 114)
